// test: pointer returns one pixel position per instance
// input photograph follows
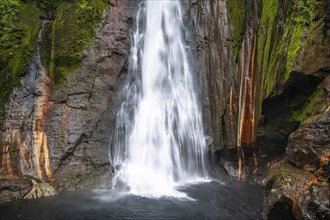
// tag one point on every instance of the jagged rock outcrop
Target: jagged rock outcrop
(62, 134)
(299, 187)
(260, 82)
(309, 146)
(292, 193)
(301, 104)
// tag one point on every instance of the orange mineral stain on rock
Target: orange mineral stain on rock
(24, 125)
(239, 165)
(115, 7)
(46, 158)
(308, 185)
(6, 163)
(41, 155)
(324, 159)
(118, 13)
(245, 134)
(247, 93)
(26, 155)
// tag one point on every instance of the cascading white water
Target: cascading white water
(158, 142)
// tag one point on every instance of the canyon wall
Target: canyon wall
(58, 119)
(265, 72)
(286, 89)
(263, 67)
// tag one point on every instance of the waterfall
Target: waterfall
(158, 142)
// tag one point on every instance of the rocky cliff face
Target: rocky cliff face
(225, 34)
(263, 67)
(58, 129)
(218, 74)
(79, 124)
(208, 21)
(261, 83)
(292, 97)
(24, 142)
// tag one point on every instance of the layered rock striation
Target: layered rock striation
(262, 66)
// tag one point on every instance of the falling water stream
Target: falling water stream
(158, 142)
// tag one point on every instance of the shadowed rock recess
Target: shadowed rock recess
(263, 67)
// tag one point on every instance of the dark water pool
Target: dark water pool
(212, 201)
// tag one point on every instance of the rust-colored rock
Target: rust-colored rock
(23, 140)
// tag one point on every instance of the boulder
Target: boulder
(13, 188)
(292, 193)
(309, 146)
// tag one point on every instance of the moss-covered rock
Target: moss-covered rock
(316, 103)
(21, 23)
(71, 28)
(292, 60)
(284, 27)
(89, 98)
(68, 35)
(237, 19)
(292, 193)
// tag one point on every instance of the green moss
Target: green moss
(268, 15)
(71, 32)
(286, 170)
(237, 18)
(303, 16)
(46, 46)
(21, 23)
(317, 103)
(47, 7)
(11, 150)
(280, 42)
